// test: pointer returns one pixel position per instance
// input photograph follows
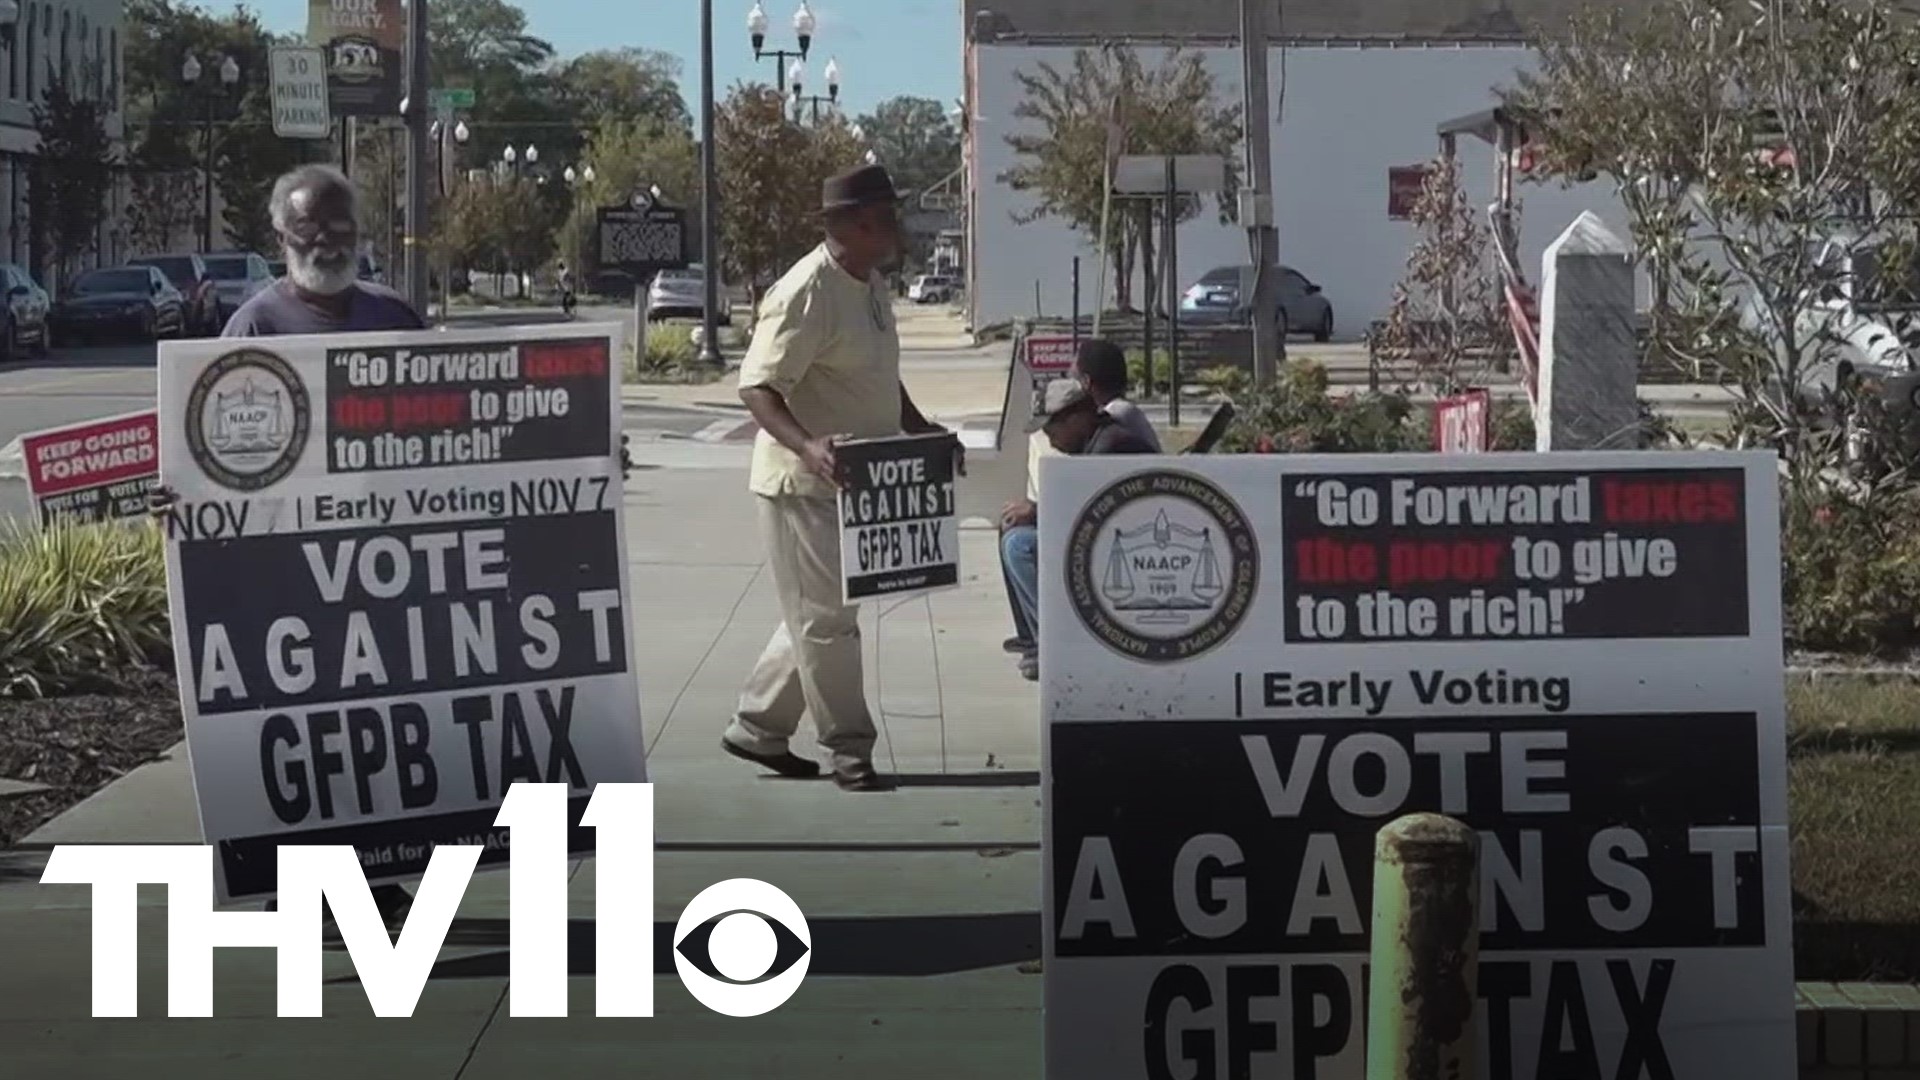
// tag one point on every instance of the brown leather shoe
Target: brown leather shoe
(786, 764)
(862, 779)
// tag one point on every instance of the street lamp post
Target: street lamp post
(803, 24)
(796, 75)
(190, 73)
(441, 133)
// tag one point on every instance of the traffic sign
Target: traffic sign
(300, 108)
(454, 97)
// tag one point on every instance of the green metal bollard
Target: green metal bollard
(1426, 950)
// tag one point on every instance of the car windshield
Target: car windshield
(111, 281)
(227, 269)
(1226, 275)
(681, 275)
(177, 270)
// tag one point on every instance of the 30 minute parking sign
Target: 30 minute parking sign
(300, 107)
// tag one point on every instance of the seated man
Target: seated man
(1074, 424)
(1101, 367)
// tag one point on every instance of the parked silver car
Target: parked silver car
(237, 275)
(1222, 295)
(681, 294)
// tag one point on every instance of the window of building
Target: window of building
(13, 65)
(33, 24)
(113, 68)
(66, 57)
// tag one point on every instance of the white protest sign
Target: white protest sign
(398, 584)
(1251, 664)
(899, 534)
(299, 83)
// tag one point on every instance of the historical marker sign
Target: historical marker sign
(300, 108)
(643, 239)
(1252, 664)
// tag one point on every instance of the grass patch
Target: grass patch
(671, 358)
(77, 602)
(1853, 798)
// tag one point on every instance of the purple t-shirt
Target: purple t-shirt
(276, 310)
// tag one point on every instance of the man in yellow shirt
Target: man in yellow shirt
(824, 365)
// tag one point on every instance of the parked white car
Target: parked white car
(932, 289)
(1848, 322)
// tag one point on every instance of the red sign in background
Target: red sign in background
(1050, 355)
(1461, 422)
(92, 454)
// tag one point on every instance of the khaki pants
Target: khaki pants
(812, 664)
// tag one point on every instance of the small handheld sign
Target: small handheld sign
(899, 535)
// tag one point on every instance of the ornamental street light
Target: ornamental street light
(796, 75)
(213, 92)
(803, 25)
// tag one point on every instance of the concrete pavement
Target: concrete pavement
(921, 901)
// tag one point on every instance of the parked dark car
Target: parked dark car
(25, 325)
(1223, 295)
(612, 284)
(125, 301)
(188, 273)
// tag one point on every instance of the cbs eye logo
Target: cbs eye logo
(742, 947)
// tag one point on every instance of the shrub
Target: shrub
(1851, 570)
(79, 604)
(1297, 415)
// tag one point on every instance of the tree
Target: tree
(1447, 305)
(1761, 150)
(914, 139)
(166, 123)
(72, 175)
(767, 205)
(1062, 156)
(501, 224)
(637, 85)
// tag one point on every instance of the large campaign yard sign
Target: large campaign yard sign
(1252, 664)
(98, 470)
(899, 532)
(398, 582)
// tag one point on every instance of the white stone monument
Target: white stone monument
(1589, 360)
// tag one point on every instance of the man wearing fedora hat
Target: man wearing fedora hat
(824, 365)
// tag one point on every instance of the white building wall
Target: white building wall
(1345, 115)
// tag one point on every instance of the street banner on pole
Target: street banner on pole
(93, 471)
(365, 42)
(398, 584)
(1250, 665)
(300, 109)
(899, 535)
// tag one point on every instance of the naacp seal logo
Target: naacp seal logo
(1161, 566)
(247, 420)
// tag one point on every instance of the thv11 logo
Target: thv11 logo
(741, 947)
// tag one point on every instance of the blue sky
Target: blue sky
(885, 47)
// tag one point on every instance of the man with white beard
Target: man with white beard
(315, 212)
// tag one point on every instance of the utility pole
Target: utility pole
(415, 241)
(709, 202)
(1256, 199)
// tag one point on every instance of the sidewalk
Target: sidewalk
(911, 974)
